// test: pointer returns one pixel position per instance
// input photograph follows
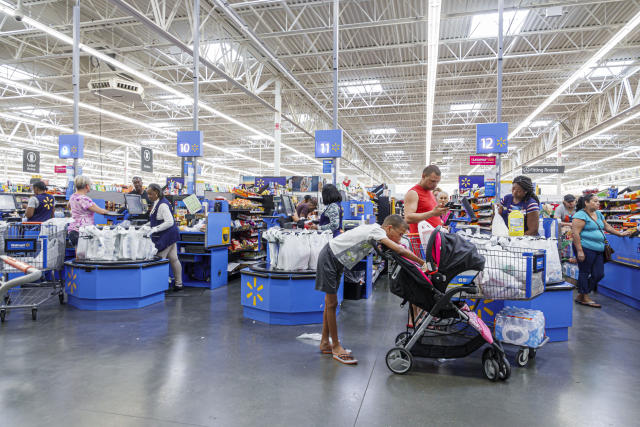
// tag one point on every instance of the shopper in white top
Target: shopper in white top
(164, 232)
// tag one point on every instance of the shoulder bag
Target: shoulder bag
(608, 250)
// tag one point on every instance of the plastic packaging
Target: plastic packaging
(520, 326)
(498, 227)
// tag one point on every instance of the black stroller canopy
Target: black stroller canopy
(456, 254)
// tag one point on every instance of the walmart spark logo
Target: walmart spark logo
(255, 291)
(480, 306)
(48, 203)
(465, 182)
(501, 142)
(74, 149)
(71, 281)
(335, 147)
(195, 148)
(260, 182)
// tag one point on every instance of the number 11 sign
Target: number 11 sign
(329, 143)
(492, 138)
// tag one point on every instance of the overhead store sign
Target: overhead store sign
(482, 160)
(71, 146)
(543, 169)
(30, 161)
(60, 169)
(329, 143)
(146, 159)
(327, 165)
(466, 182)
(492, 138)
(261, 181)
(190, 143)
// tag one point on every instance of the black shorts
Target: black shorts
(328, 272)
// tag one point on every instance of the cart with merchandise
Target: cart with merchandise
(39, 247)
(510, 274)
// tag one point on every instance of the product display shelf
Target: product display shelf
(252, 224)
(621, 212)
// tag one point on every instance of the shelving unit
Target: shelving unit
(617, 211)
(248, 231)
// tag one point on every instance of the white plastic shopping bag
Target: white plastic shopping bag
(498, 227)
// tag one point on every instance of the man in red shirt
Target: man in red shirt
(420, 203)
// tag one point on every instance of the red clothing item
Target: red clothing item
(426, 203)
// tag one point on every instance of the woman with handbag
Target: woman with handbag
(591, 246)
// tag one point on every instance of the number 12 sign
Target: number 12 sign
(492, 138)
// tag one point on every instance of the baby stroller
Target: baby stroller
(446, 328)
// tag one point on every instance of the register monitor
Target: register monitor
(7, 202)
(287, 205)
(134, 204)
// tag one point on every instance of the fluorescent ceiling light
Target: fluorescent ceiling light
(383, 131)
(632, 148)
(255, 137)
(613, 41)
(447, 158)
(609, 69)
(400, 165)
(453, 140)
(36, 112)
(365, 86)
(539, 123)
(394, 152)
(486, 25)
(465, 107)
(601, 137)
(304, 117)
(164, 124)
(12, 73)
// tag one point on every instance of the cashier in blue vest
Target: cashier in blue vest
(164, 232)
(41, 206)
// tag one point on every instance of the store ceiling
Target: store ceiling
(383, 68)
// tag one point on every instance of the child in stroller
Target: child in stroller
(446, 317)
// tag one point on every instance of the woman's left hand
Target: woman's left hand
(628, 232)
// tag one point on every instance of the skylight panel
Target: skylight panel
(12, 73)
(486, 24)
(383, 131)
(365, 86)
(218, 52)
(465, 107)
(609, 69)
(539, 123)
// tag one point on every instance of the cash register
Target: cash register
(8, 207)
(136, 212)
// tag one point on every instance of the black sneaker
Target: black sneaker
(177, 288)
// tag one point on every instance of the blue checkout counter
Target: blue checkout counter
(282, 297)
(622, 275)
(205, 255)
(115, 285)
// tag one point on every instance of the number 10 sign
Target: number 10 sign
(492, 138)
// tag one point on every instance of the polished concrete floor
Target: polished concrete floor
(195, 361)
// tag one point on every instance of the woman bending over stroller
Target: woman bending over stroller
(346, 250)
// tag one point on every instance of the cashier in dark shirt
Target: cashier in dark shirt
(304, 207)
(137, 189)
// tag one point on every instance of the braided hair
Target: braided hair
(527, 186)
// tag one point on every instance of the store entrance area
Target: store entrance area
(194, 360)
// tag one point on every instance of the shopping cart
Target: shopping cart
(37, 246)
(510, 273)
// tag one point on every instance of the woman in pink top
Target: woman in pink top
(82, 208)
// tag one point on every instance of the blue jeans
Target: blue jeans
(590, 271)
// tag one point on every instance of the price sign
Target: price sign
(327, 166)
(329, 143)
(492, 138)
(190, 143)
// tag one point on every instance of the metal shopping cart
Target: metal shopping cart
(40, 247)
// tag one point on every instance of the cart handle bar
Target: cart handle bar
(19, 265)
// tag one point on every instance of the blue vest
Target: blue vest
(324, 220)
(165, 238)
(45, 209)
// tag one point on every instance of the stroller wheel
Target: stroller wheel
(491, 369)
(402, 339)
(522, 357)
(505, 369)
(399, 360)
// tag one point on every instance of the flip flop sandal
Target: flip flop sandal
(592, 304)
(331, 351)
(347, 359)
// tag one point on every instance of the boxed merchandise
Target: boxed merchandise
(520, 326)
